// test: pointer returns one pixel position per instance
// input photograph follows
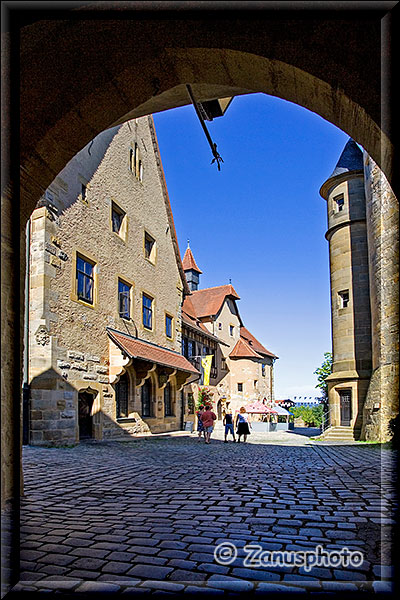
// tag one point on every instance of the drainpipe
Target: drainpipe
(25, 384)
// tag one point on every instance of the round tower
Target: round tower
(350, 292)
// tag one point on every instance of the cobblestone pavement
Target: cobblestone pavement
(146, 515)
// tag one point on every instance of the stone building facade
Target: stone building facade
(242, 368)
(106, 286)
(363, 385)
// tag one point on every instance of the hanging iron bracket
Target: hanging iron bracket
(217, 158)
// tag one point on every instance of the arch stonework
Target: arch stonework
(79, 76)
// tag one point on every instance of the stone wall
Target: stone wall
(382, 402)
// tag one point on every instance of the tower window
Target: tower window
(231, 329)
(339, 203)
(240, 387)
(344, 298)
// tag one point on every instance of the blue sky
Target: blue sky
(260, 221)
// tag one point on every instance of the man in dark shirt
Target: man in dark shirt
(228, 422)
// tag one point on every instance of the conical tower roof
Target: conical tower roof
(350, 160)
(189, 264)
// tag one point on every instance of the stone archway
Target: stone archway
(80, 76)
(85, 85)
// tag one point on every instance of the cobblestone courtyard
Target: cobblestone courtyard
(146, 515)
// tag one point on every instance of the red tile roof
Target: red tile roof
(208, 302)
(254, 343)
(243, 350)
(189, 318)
(135, 348)
(189, 262)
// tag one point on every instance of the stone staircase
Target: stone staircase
(340, 433)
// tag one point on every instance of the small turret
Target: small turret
(191, 269)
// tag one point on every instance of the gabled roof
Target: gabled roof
(189, 264)
(254, 343)
(135, 348)
(208, 302)
(243, 350)
(189, 318)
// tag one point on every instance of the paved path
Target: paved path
(146, 515)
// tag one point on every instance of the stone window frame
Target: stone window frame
(88, 257)
(172, 400)
(343, 299)
(149, 255)
(148, 381)
(131, 394)
(145, 293)
(84, 187)
(131, 285)
(122, 232)
(136, 162)
(339, 203)
(263, 369)
(168, 315)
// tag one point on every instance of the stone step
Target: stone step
(339, 432)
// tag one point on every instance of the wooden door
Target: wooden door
(345, 407)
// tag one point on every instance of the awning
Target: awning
(259, 408)
(139, 349)
(281, 411)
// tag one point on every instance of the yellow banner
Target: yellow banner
(206, 364)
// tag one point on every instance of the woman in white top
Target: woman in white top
(243, 424)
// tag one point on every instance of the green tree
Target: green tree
(312, 416)
(322, 373)
(318, 413)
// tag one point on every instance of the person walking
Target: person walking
(208, 418)
(243, 424)
(228, 422)
(200, 426)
